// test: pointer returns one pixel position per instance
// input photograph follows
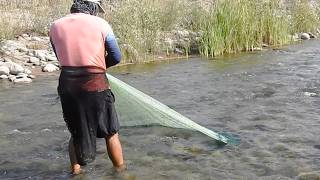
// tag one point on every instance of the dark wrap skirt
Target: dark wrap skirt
(88, 110)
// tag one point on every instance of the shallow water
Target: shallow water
(269, 99)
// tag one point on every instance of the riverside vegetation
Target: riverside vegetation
(149, 30)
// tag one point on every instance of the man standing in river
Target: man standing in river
(80, 40)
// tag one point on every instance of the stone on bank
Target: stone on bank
(305, 36)
(23, 80)
(14, 68)
(50, 68)
(4, 70)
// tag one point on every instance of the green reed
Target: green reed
(231, 26)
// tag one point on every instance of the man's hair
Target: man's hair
(83, 6)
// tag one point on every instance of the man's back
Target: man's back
(79, 40)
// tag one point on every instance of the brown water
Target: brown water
(270, 100)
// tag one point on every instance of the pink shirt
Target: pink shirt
(79, 40)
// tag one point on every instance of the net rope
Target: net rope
(138, 109)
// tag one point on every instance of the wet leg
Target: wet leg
(115, 151)
(75, 167)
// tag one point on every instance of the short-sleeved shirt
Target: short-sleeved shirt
(79, 40)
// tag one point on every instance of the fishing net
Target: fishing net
(139, 109)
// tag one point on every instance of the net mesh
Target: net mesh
(139, 109)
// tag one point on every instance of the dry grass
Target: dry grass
(33, 16)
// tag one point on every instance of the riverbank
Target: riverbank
(26, 57)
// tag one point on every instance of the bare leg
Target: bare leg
(75, 167)
(115, 151)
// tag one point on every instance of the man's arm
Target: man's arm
(113, 50)
(54, 49)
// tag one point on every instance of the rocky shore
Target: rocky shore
(25, 57)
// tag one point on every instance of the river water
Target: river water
(270, 100)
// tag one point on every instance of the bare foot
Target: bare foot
(76, 170)
(120, 168)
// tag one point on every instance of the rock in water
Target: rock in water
(14, 67)
(305, 36)
(4, 70)
(23, 80)
(50, 68)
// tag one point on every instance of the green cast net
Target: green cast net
(133, 104)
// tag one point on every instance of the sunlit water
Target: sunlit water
(270, 100)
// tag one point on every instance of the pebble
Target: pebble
(4, 70)
(23, 80)
(50, 68)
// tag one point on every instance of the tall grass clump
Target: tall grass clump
(231, 26)
(305, 16)
(140, 24)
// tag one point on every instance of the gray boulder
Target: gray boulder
(4, 70)
(50, 68)
(14, 67)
